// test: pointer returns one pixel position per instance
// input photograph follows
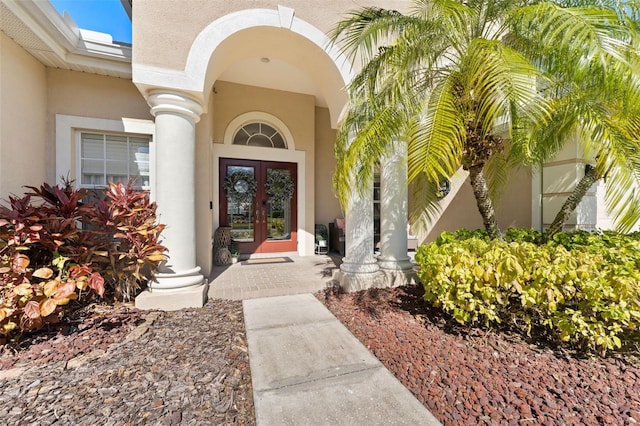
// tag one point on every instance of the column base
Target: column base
(177, 280)
(397, 271)
(368, 266)
(395, 264)
(173, 299)
(399, 278)
(351, 282)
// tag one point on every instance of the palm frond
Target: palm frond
(367, 29)
(424, 205)
(502, 79)
(622, 194)
(443, 78)
(437, 136)
(363, 139)
(496, 172)
(454, 14)
(590, 32)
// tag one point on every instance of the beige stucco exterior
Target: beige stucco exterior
(87, 95)
(269, 57)
(23, 119)
(162, 23)
(297, 111)
(31, 97)
(513, 209)
(90, 95)
(327, 206)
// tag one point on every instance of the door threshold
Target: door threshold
(268, 255)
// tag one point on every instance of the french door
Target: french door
(258, 201)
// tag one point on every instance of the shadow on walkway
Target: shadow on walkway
(279, 274)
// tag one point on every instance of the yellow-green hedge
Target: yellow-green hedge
(587, 296)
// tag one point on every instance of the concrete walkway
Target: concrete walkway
(308, 369)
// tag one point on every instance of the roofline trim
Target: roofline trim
(72, 45)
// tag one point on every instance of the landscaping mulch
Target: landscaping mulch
(469, 376)
(119, 365)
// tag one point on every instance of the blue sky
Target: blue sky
(105, 16)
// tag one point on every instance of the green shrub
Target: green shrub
(462, 234)
(521, 235)
(587, 297)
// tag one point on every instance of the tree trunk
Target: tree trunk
(485, 205)
(590, 177)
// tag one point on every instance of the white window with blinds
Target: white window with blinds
(104, 158)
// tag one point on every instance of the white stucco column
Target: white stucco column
(393, 210)
(359, 268)
(179, 283)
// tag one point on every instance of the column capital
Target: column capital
(165, 101)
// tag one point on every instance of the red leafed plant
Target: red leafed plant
(30, 298)
(133, 252)
(47, 259)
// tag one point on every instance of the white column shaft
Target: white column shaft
(175, 183)
(393, 209)
(176, 116)
(359, 233)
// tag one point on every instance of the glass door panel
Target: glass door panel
(279, 206)
(240, 205)
(280, 188)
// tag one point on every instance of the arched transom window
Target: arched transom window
(259, 134)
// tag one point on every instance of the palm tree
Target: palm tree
(446, 76)
(608, 129)
(596, 99)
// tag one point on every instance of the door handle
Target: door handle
(257, 215)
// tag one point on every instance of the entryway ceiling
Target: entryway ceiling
(277, 58)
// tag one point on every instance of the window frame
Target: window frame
(263, 117)
(262, 133)
(104, 159)
(68, 134)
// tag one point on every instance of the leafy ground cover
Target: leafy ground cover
(578, 290)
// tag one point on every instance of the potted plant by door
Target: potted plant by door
(322, 237)
(235, 253)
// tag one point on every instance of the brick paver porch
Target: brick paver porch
(276, 274)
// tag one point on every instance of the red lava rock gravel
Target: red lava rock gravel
(467, 376)
(117, 366)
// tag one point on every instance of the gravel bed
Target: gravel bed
(468, 376)
(124, 366)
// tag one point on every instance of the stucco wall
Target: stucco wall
(89, 95)
(296, 110)
(559, 178)
(23, 106)
(513, 208)
(162, 23)
(327, 206)
(203, 172)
